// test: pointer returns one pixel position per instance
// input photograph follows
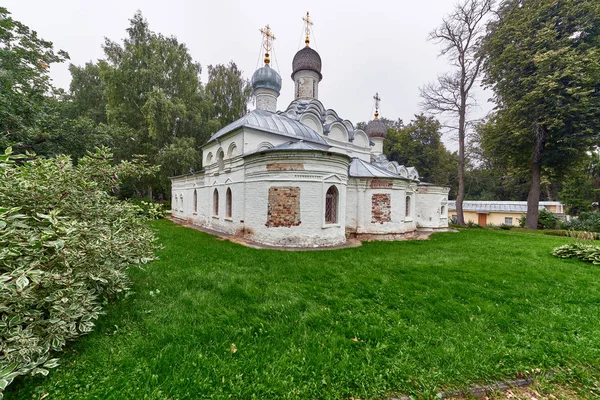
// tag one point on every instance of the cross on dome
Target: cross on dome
(268, 39)
(307, 24)
(377, 100)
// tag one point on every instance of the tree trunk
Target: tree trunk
(150, 192)
(460, 196)
(533, 200)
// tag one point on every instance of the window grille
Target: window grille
(331, 206)
(216, 202)
(195, 201)
(407, 206)
(228, 203)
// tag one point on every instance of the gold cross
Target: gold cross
(307, 24)
(268, 41)
(377, 100)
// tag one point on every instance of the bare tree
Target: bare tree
(460, 36)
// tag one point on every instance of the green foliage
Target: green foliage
(546, 220)
(542, 64)
(581, 185)
(229, 91)
(581, 235)
(419, 144)
(65, 245)
(151, 210)
(586, 221)
(25, 86)
(581, 251)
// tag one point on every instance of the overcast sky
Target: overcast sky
(365, 46)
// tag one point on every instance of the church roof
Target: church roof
(273, 123)
(301, 146)
(307, 59)
(376, 128)
(362, 169)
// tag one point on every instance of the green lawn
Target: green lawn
(385, 318)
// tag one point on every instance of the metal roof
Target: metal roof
(362, 169)
(273, 123)
(498, 206)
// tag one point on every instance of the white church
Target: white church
(304, 177)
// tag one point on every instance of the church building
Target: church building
(304, 177)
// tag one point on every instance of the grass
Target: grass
(213, 319)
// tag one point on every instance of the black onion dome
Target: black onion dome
(307, 59)
(376, 128)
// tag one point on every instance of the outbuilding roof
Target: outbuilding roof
(498, 206)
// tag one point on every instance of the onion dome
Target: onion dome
(376, 128)
(267, 78)
(307, 59)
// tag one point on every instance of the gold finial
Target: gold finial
(268, 38)
(377, 100)
(307, 24)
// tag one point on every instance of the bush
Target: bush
(546, 220)
(587, 221)
(582, 235)
(151, 210)
(506, 227)
(65, 245)
(581, 251)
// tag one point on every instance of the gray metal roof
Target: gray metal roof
(300, 145)
(494, 206)
(273, 123)
(362, 169)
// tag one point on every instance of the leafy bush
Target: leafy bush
(65, 245)
(581, 251)
(506, 227)
(583, 235)
(472, 224)
(546, 220)
(587, 221)
(151, 210)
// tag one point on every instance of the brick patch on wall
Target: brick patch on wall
(285, 167)
(381, 184)
(283, 207)
(381, 208)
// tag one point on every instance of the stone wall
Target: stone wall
(381, 208)
(283, 208)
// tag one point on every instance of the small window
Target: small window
(508, 220)
(181, 202)
(331, 206)
(216, 203)
(228, 203)
(195, 201)
(443, 211)
(407, 206)
(174, 205)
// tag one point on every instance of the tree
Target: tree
(153, 93)
(460, 35)
(542, 64)
(86, 93)
(25, 87)
(419, 144)
(229, 91)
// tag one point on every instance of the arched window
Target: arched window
(407, 206)
(443, 211)
(216, 202)
(181, 202)
(228, 203)
(331, 205)
(195, 201)
(174, 205)
(220, 160)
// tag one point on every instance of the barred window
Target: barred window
(228, 203)
(216, 202)
(195, 201)
(331, 205)
(407, 206)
